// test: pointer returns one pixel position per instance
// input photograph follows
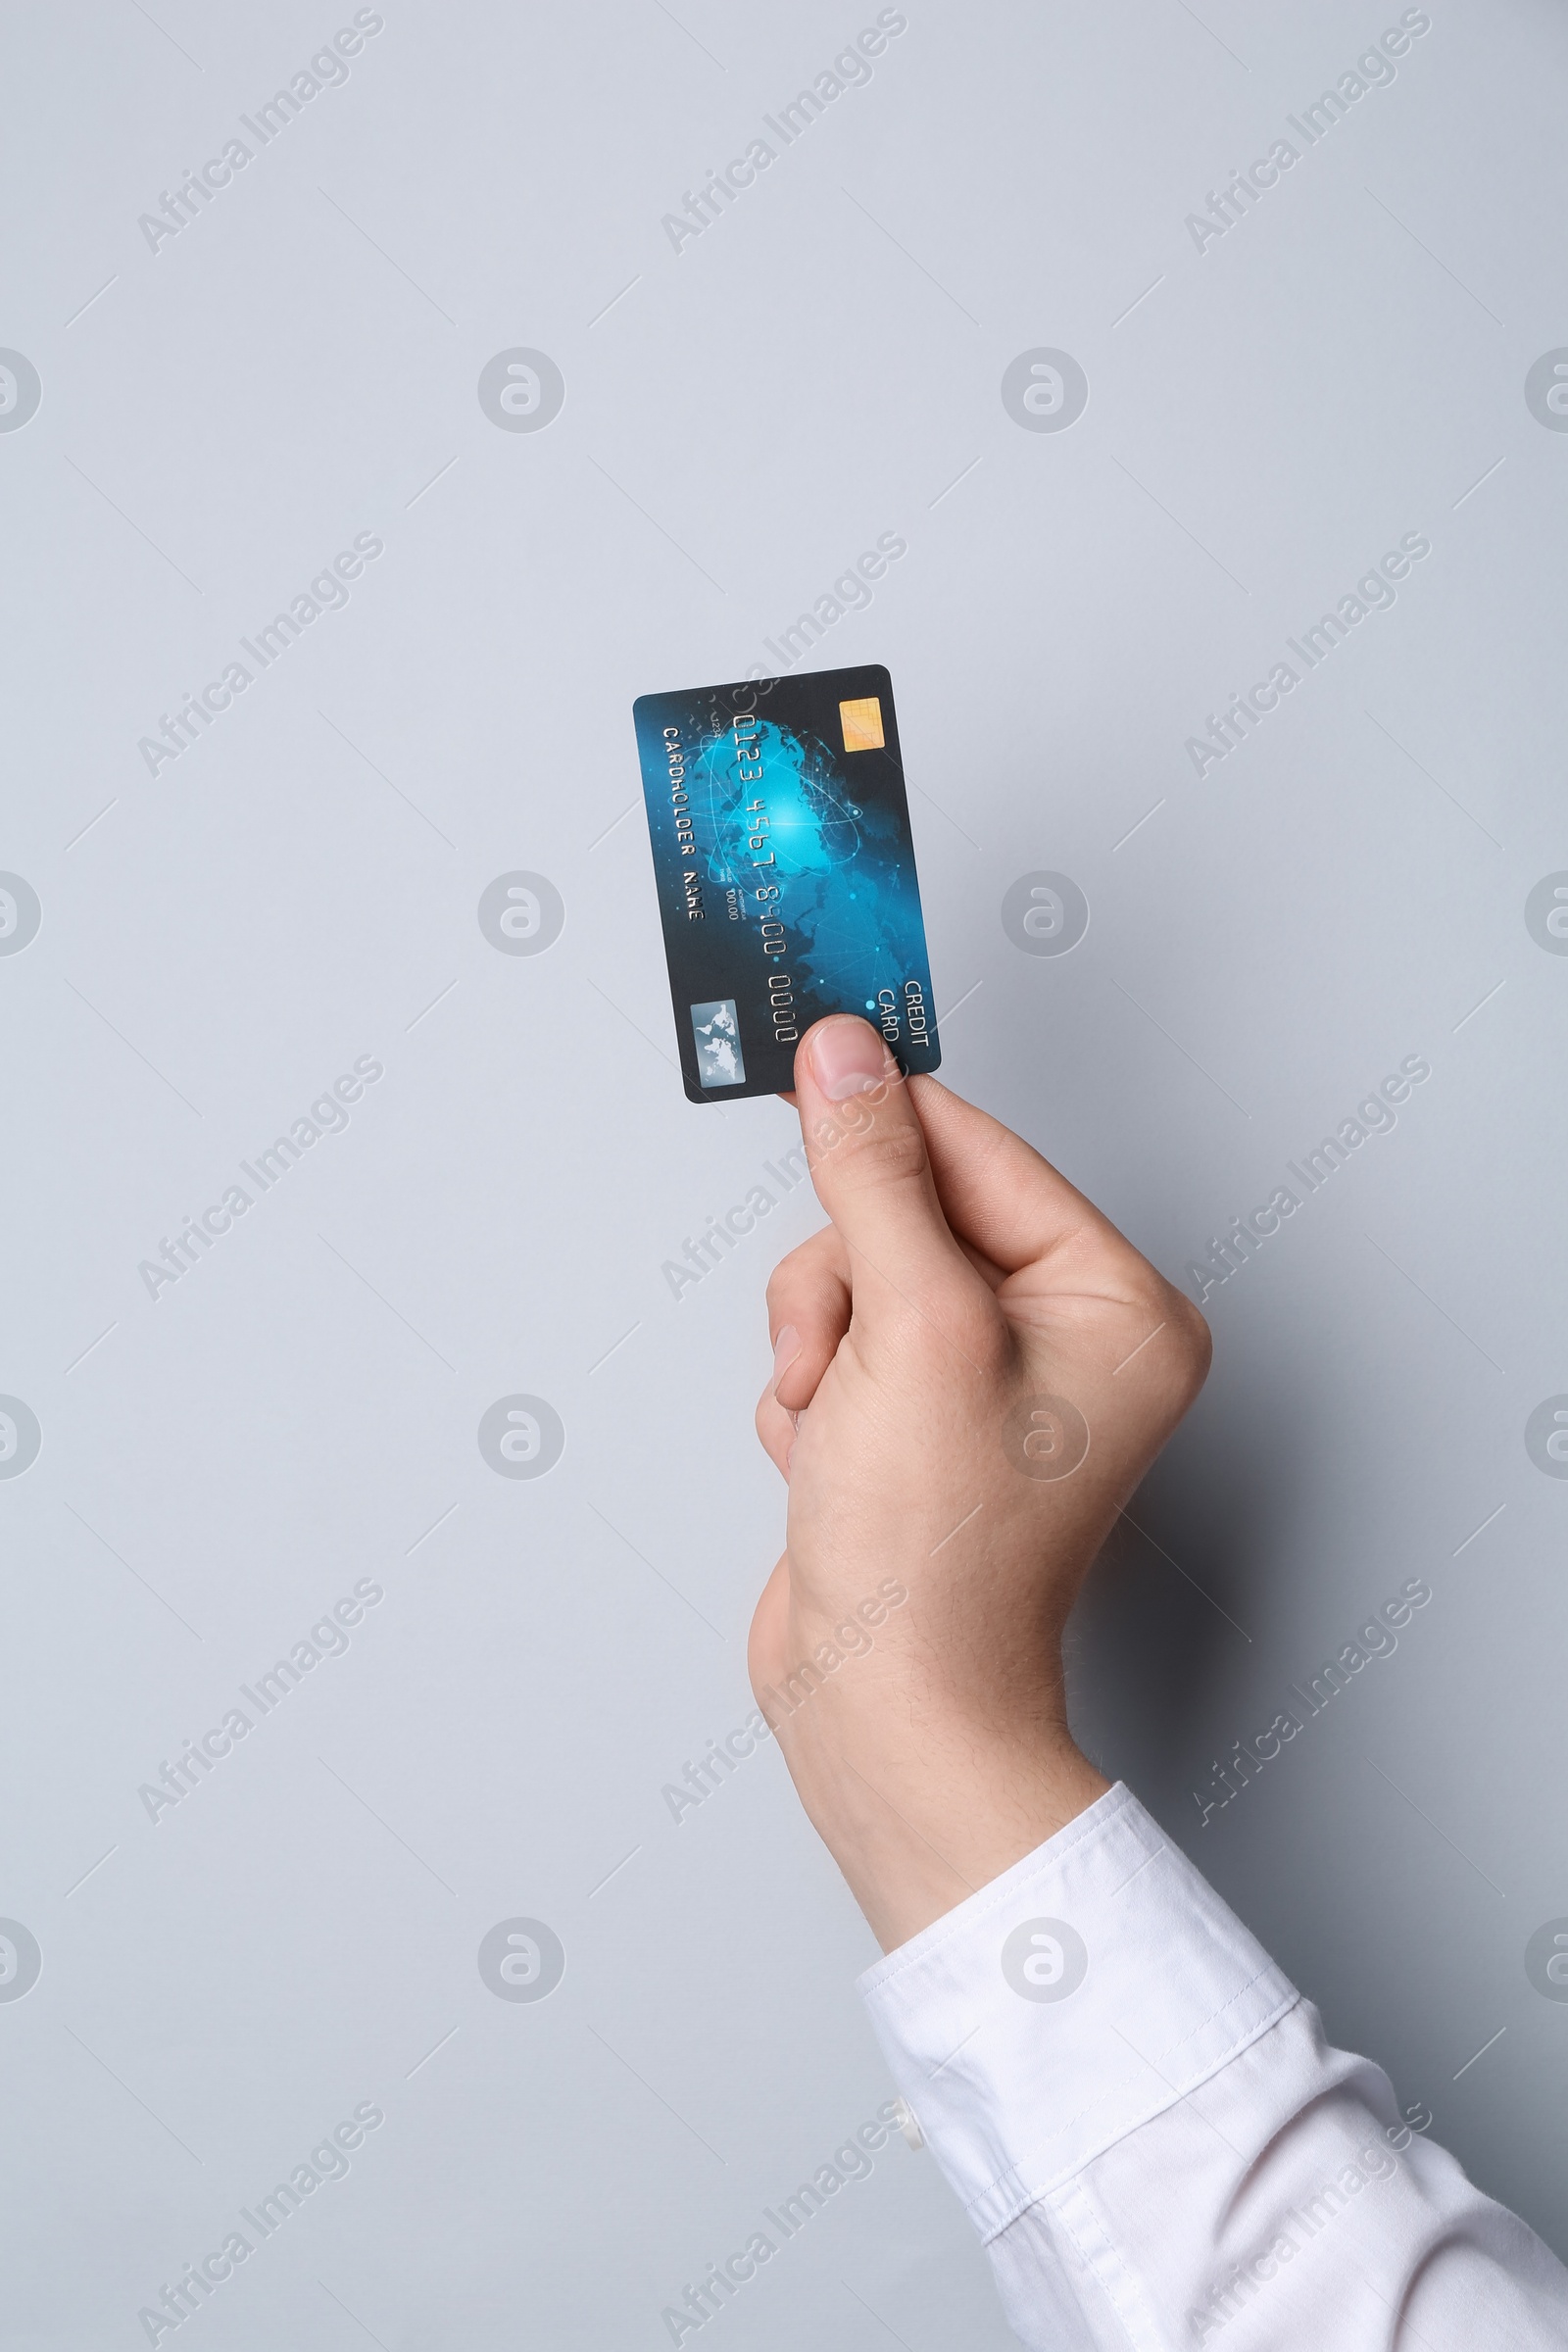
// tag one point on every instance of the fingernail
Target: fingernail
(847, 1056)
(786, 1348)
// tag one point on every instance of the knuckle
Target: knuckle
(1201, 1339)
(800, 1268)
(784, 1282)
(1194, 1342)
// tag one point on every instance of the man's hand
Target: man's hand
(972, 1372)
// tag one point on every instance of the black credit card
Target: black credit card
(785, 868)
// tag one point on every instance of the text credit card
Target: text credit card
(785, 868)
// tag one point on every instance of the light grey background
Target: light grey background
(218, 941)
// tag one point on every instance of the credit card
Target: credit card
(785, 868)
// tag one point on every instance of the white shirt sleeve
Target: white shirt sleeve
(1157, 2146)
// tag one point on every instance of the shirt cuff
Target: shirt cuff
(1087, 1990)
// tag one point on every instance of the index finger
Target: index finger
(999, 1193)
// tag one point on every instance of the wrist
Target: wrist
(919, 1812)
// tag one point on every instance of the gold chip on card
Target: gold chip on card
(862, 722)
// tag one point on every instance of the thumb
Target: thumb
(868, 1160)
